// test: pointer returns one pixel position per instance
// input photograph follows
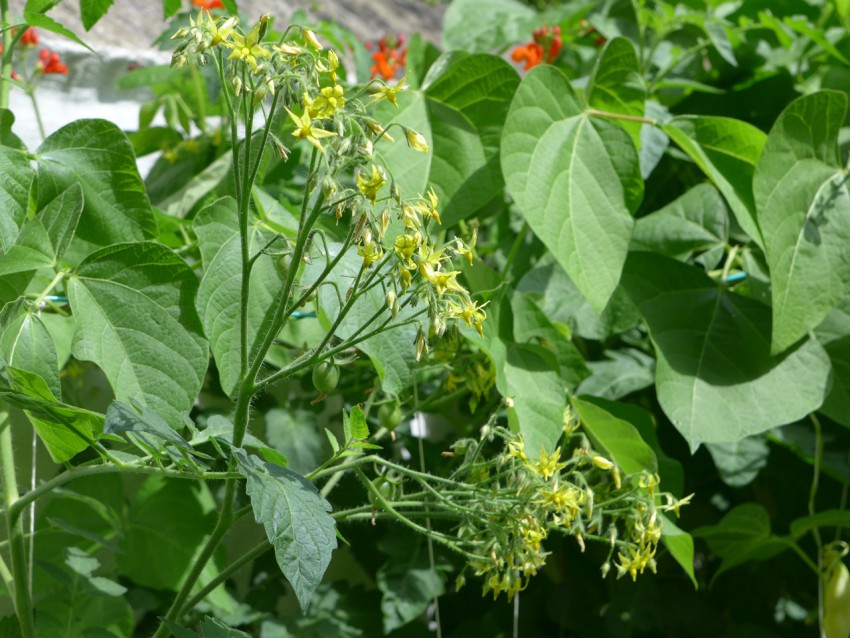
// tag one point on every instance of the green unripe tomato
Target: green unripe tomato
(836, 603)
(389, 416)
(325, 377)
(386, 488)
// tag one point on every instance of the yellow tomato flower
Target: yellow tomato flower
(311, 39)
(328, 102)
(389, 93)
(247, 48)
(304, 130)
(220, 33)
(548, 464)
(370, 186)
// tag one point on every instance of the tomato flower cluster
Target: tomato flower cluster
(583, 495)
(357, 182)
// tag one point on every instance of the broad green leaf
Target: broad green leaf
(742, 535)
(696, 221)
(575, 179)
(816, 35)
(83, 604)
(616, 439)
(716, 32)
(716, 379)
(26, 344)
(136, 320)
(617, 85)
(214, 628)
(97, 155)
(219, 294)
(121, 417)
(531, 325)
(739, 463)
(64, 429)
(680, 544)
(296, 520)
(669, 469)
(619, 374)
(468, 100)
(726, 150)
(834, 335)
(466, 26)
(804, 215)
(529, 376)
(181, 202)
(827, 518)
(16, 175)
(167, 520)
(93, 10)
(564, 304)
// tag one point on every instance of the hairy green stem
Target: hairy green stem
(15, 532)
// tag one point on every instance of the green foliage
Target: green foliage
(580, 296)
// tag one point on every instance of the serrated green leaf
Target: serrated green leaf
(97, 155)
(136, 320)
(296, 520)
(219, 294)
(716, 379)
(804, 214)
(121, 417)
(616, 439)
(575, 179)
(357, 426)
(617, 85)
(726, 150)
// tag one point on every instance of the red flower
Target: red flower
(389, 58)
(29, 38)
(208, 5)
(544, 48)
(531, 54)
(50, 63)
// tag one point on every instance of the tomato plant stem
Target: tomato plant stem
(14, 531)
(6, 71)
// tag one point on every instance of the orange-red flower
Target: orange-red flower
(544, 48)
(208, 5)
(390, 58)
(50, 63)
(29, 38)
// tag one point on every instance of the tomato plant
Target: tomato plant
(578, 272)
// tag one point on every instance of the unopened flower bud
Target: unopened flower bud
(328, 187)
(416, 140)
(602, 463)
(311, 39)
(236, 82)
